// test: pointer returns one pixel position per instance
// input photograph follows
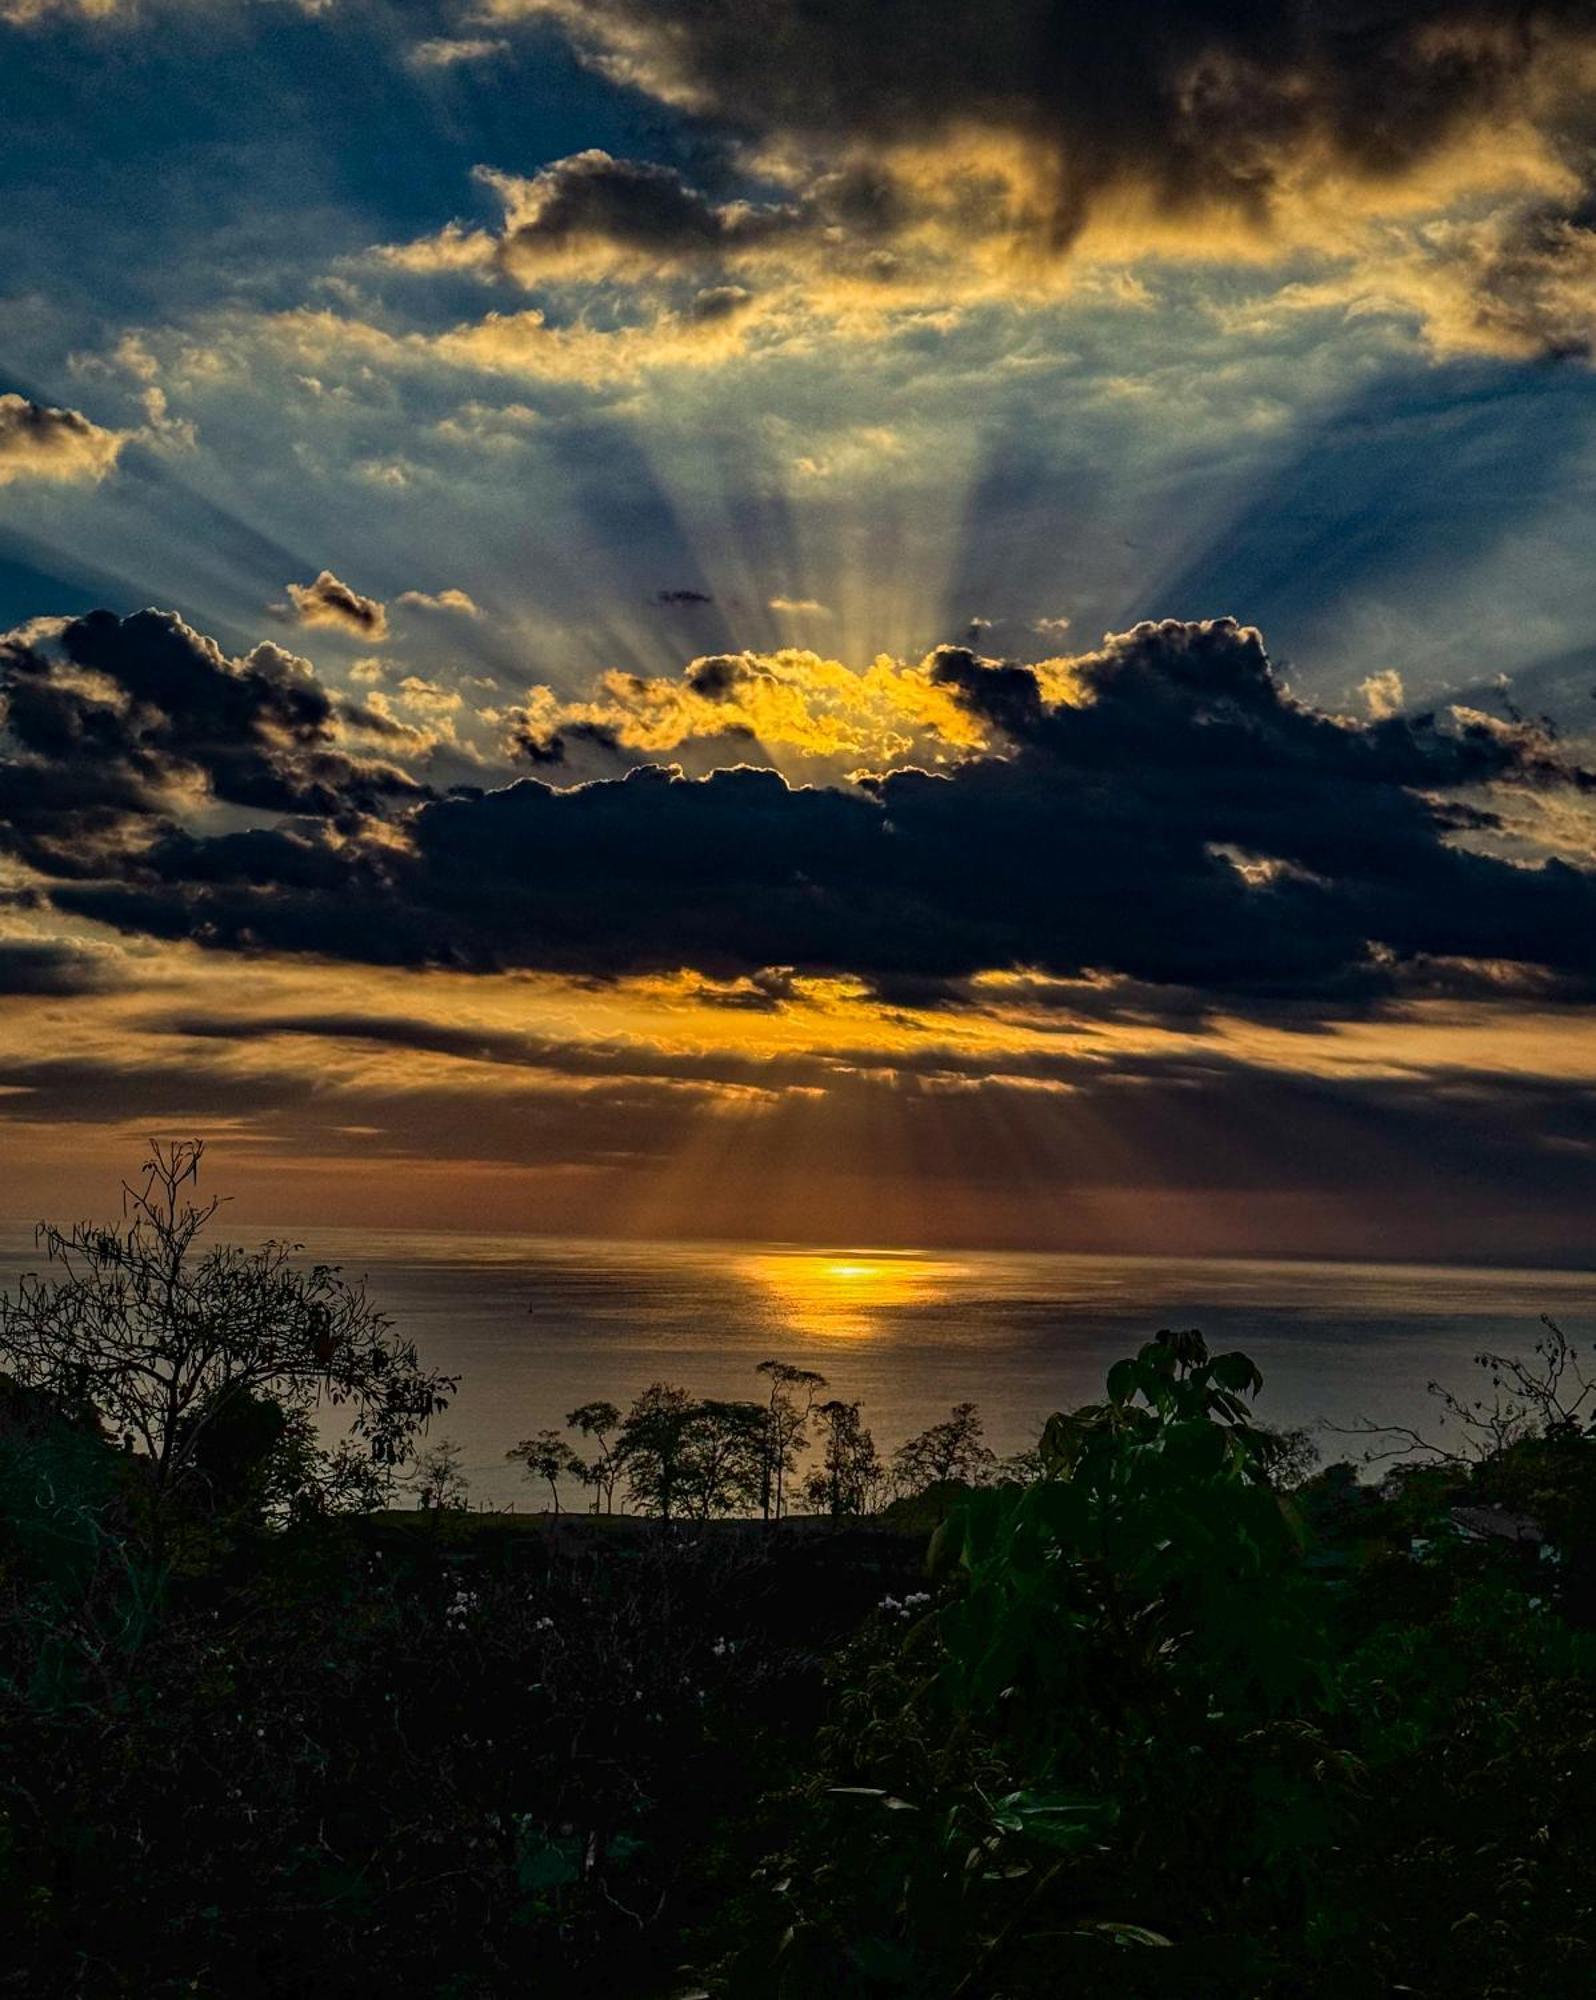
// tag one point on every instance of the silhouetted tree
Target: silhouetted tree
(436, 1477)
(1546, 1396)
(599, 1421)
(848, 1478)
(1022, 1468)
(1292, 1456)
(952, 1449)
(683, 1457)
(653, 1449)
(235, 1451)
(168, 1341)
(548, 1457)
(792, 1400)
(727, 1456)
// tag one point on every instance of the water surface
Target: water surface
(534, 1326)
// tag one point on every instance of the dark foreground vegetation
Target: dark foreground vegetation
(1157, 1710)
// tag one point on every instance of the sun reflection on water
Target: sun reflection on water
(844, 1295)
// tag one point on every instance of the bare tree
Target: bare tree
(1549, 1395)
(438, 1479)
(162, 1337)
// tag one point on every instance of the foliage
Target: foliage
(599, 1421)
(549, 1458)
(791, 1403)
(376, 1758)
(950, 1450)
(167, 1341)
(1147, 1737)
(437, 1478)
(849, 1478)
(1166, 1711)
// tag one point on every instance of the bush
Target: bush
(1147, 1741)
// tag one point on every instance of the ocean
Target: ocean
(534, 1326)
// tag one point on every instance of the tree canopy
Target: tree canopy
(167, 1338)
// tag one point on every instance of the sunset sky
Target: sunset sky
(915, 623)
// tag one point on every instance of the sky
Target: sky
(918, 624)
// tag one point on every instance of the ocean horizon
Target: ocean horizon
(535, 1325)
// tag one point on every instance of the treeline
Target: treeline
(683, 1458)
(678, 1457)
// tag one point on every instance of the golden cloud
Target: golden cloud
(792, 700)
(329, 602)
(38, 441)
(970, 168)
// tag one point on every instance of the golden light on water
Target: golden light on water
(847, 1295)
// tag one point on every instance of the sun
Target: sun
(849, 1295)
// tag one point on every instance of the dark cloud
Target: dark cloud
(1181, 823)
(56, 968)
(502, 1048)
(532, 746)
(719, 302)
(1208, 109)
(632, 206)
(716, 675)
(767, 991)
(114, 724)
(591, 211)
(1533, 287)
(623, 1119)
(1107, 1083)
(1207, 100)
(527, 740)
(330, 602)
(683, 598)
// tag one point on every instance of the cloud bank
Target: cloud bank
(899, 138)
(1161, 812)
(115, 731)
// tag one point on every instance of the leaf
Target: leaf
(889, 1801)
(1064, 1820)
(551, 1866)
(1126, 1934)
(882, 1959)
(1061, 1509)
(1236, 1371)
(1124, 1378)
(947, 1546)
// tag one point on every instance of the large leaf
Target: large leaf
(1068, 1821)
